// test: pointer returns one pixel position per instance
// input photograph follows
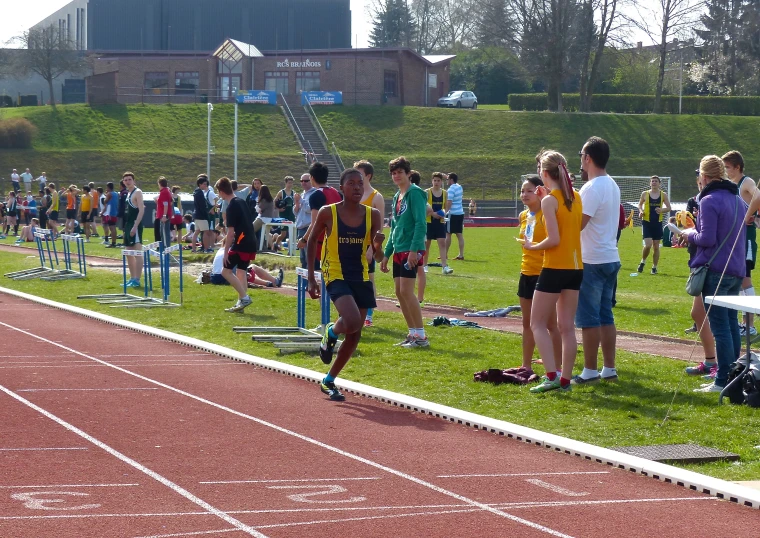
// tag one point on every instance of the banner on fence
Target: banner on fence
(322, 98)
(261, 97)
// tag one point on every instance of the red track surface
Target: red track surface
(135, 436)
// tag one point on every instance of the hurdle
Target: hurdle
(298, 338)
(44, 253)
(69, 273)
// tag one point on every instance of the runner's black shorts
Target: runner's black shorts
(455, 224)
(85, 217)
(53, 216)
(435, 230)
(239, 260)
(652, 230)
(71, 214)
(361, 291)
(399, 271)
(556, 280)
(526, 286)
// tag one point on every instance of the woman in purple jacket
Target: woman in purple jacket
(721, 215)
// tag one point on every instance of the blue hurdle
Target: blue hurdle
(69, 272)
(47, 265)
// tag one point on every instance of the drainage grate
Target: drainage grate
(677, 453)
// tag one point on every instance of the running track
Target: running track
(109, 432)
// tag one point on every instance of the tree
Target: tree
(429, 34)
(456, 20)
(392, 24)
(49, 53)
(496, 24)
(595, 38)
(666, 20)
(492, 73)
(636, 72)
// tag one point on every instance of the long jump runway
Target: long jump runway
(109, 432)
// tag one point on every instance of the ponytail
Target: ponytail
(555, 164)
(566, 185)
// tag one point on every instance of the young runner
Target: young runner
(371, 198)
(734, 163)
(561, 273)
(52, 211)
(406, 247)
(164, 212)
(653, 205)
(133, 228)
(531, 194)
(11, 218)
(437, 199)
(71, 208)
(322, 196)
(351, 229)
(239, 244)
(111, 204)
(85, 208)
(456, 215)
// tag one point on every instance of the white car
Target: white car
(459, 100)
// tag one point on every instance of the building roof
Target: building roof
(438, 58)
(236, 50)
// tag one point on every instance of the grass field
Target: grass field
(489, 148)
(631, 412)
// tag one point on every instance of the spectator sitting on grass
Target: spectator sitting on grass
(189, 228)
(254, 272)
(27, 232)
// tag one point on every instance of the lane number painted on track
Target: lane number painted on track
(51, 500)
(323, 490)
(556, 489)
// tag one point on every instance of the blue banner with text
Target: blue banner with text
(322, 98)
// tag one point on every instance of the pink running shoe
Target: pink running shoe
(701, 369)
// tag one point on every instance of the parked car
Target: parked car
(459, 100)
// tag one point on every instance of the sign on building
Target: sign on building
(262, 97)
(322, 98)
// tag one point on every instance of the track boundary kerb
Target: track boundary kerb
(691, 480)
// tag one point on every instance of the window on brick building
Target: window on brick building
(276, 81)
(157, 82)
(186, 82)
(391, 83)
(307, 81)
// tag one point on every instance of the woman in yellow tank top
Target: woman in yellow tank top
(531, 194)
(562, 271)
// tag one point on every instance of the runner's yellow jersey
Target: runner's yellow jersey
(430, 202)
(343, 252)
(567, 254)
(368, 201)
(532, 260)
(86, 203)
(54, 202)
(647, 206)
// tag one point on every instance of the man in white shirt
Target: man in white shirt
(601, 262)
(455, 226)
(42, 180)
(15, 178)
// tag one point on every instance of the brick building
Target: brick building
(397, 76)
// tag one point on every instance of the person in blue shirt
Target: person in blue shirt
(455, 226)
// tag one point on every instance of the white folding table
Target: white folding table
(749, 305)
(291, 226)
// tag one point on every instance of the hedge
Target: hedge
(642, 104)
(16, 133)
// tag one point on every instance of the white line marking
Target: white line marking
(305, 438)
(129, 461)
(523, 505)
(293, 480)
(35, 449)
(105, 390)
(519, 474)
(556, 489)
(226, 363)
(72, 486)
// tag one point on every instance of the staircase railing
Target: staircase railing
(330, 146)
(337, 157)
(294, 123)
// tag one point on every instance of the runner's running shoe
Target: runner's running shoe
(416, 341)
(699, 369)
(368, 322)
(329, 388)
(278, 280)
(133, 283)
(548, 385)
(654, 270)
(641, 268)
(447, 270)
(328, 345)
(405, 340)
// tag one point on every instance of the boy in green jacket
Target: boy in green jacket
(407, 246)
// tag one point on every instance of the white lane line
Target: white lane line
(19, 356)
(45, 362)
(516, 505)
(293, 480)
(556, 489)
(227, 363)
(307, 439)
(519, 474)
(87, 390)
(72, 486)
(33, 449)
(129, 461)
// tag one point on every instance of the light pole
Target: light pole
(236, 139)
(208, 143)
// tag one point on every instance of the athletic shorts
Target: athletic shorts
(436, 230)
(239, 260)
(399, 271)
(129, 239)
(71, 214)
(362, 292)
(201, 225)
(527, 286)
(455, 224)
(652, 230)
(95, 213)
(110, 221)
(85, 217)
(556, 280)
(53, 216)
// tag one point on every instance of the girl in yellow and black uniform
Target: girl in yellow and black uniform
(561, 273)
(531, 194)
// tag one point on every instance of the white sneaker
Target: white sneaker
(447, 270)
(425, 268)
(712, 387)
(743, 331)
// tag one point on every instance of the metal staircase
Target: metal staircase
(312, 137)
